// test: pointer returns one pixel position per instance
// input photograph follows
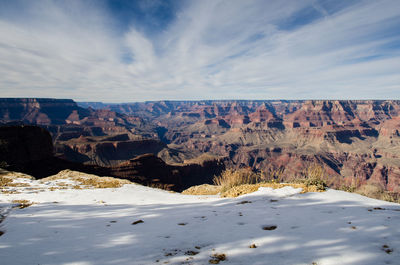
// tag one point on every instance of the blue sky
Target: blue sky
(125, 51)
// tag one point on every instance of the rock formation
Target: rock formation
(29, 149)
(356, 141)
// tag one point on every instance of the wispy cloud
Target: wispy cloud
(210, 50)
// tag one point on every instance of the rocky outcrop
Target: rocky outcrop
(29, 149)
(150, 170)
(66, 120)
(42, 111)
(20, 145)
(106, 150)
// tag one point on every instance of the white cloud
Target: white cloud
(212, 50)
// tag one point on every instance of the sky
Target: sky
(129, 51)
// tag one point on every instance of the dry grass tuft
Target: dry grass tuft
(10, 191)
(7, 179)
(162, 186)
(86, 180)
(240, 190)
(315, 175)
(234, 183)
(4, 181)
(22, 203)
(272, 174)
(249, 188)
(18, 184)
(231, 178)
(376, 191)
(102, 182)
(14, 175)
(204, 189)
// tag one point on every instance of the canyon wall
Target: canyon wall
(356, 141)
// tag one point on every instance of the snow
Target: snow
(94, 226)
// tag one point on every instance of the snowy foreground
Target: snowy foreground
(94, 226)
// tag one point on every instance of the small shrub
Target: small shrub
(315, 175)
(347, 188)
(376, 191)
(273, 175)
(231, 178)
(370, 190)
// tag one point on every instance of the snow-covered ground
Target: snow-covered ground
(94, 226)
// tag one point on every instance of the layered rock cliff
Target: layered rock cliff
(355, 141)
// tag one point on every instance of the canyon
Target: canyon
(355, 141)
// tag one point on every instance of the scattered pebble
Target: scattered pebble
(269, 227)
(191, 253)
(138, 222)
(244, 202)
(387, 249)
(216, 258)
